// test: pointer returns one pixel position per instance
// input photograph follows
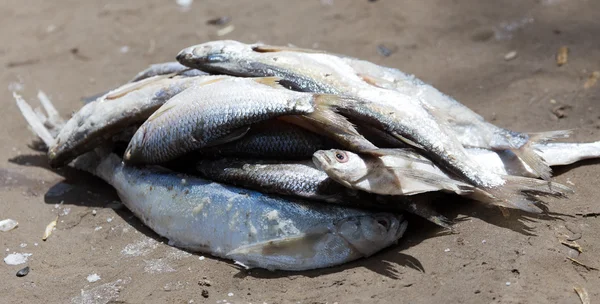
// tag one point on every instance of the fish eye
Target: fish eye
(384, 222)
(341, 156)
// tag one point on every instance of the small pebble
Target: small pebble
(447, 250)
(201, 258)
(23, 245)
(230, 294)
(23, 272)
(94, 212)
(507, 283)
(124, 49)
(205, 293)
(109, 219)
(483, 242)
(510, 55)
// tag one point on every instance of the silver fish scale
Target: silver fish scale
(205, 115)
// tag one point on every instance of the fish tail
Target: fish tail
(528, 154)
(516, 193)
(34, 121)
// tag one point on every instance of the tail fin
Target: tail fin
(34, 120)
(528, 155)
(513, 194)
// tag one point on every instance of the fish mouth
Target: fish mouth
(190, 56)
(320, 160)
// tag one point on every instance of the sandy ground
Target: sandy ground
(71, 49)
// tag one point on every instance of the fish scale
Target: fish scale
(210, 114)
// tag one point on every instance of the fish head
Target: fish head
(343, 166)
(220, 55)
(370, 233)
(133, 153)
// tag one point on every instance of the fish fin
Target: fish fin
(533, 160)
(233, 136)
(53, 115)
(134, 86)
(270, 81)
(285, 252)
(407, 141)
(264, 48)
(436, 180)
(34, 121)
(377, 82)
(513, 194)
(544, 137)
(425, 210)
(528, 155)
(162, 110)
(408, 154)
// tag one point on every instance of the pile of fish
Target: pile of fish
(294, 159)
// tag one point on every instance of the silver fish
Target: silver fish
(555, 154)
(302, 179)
(272, 139)
(469, 127)
(399, 114)
(167, 68)
(255, 229)
(210, 114)
(128, 105)
(408, 173)
(402, 173)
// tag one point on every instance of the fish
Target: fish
(403, 173)
(401, 115)
(469, 127)
(294, 178)
(212, 114)
(158, 69)
(164, 68)
(408, 173)
(555, 154)
(272, 139)
(99, 120)
(252, 228)
(302, 179)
